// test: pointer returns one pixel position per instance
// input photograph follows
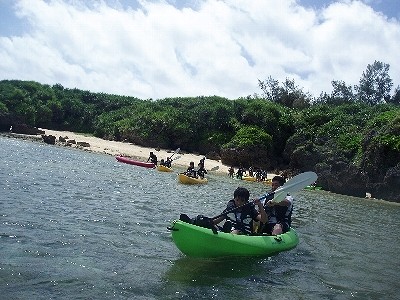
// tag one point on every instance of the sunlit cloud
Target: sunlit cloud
(157, 49)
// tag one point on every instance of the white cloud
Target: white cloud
(218, 48)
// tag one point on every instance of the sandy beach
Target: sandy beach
(137, 152)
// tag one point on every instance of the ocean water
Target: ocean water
(80, 225)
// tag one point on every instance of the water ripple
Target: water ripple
(81, 225)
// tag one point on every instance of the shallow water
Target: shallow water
(80, 225)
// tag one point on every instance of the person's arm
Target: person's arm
(218, 220)
(262, 216)
(284, 202)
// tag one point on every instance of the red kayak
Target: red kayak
(135, 162)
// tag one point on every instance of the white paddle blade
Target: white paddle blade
(294, 184)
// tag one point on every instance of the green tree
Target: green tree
(395, 99)
(249, 137)
(341, 93)
(375, 84)
(289, 94)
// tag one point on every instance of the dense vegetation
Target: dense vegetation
(352, 124)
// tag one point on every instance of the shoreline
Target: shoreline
(115, 148)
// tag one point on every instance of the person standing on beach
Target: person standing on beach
(152, 158)
(231, 171)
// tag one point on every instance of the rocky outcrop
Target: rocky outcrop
(342, 178)
(25, 129)
(62, 139)
(49, 139)
(377, 172)
(83, 144)
(389, 188)
(7, 120)
(213, 155)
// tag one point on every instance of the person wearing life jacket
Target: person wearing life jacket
(279, 214)
(240, 213)
(201, 171)
(190, 171)
(168, 162)
(239, 173)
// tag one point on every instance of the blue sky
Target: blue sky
(390, 8)
(157, 49)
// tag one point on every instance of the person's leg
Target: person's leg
(277, 229)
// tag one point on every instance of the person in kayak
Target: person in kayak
(239, 173)
(168, 162)
(152, 158)
(241, 212)
(190, 171)
(279, 214)
(201, 171)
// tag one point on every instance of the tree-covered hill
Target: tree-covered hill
(350, 137)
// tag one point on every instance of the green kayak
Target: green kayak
(197, 241)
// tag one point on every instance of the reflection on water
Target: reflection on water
(210, 271)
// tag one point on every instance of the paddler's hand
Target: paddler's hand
(257, 202)
(270, 203)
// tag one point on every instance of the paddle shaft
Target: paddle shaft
(175, 152)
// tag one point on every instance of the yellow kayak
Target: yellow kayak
(162, 168)
(182, 178)
(268, 181)
(249, 178)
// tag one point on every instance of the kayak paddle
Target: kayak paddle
(175, 152)
(293, 185)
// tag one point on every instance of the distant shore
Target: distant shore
(126, 149)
